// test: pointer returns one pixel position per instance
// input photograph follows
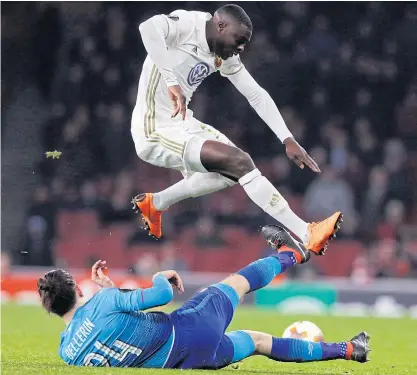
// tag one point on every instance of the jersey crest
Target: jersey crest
(198, 73)
(218, 62)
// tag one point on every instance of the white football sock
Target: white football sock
(266, 196)
(196, 185)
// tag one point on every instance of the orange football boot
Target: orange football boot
(323, 231)
(151, 217)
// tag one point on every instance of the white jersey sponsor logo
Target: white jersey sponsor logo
(198, 73)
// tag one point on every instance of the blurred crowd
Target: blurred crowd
(343, 76)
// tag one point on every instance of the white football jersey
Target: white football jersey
(191, 62)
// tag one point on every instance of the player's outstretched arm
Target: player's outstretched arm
(159, 294)
(128, 300)
(267, 110)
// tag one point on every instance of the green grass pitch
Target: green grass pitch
(30, 340)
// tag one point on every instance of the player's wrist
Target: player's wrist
(158, 275)
(289, 139)
(284, 134)
(171, 83)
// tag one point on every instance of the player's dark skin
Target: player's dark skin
(226, 38)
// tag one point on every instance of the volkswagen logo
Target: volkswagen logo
(198, 73)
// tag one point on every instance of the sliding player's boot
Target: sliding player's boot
(360, 348)
(279, 239)
(323, 231)
(151, 217)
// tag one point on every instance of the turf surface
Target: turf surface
(30, 340)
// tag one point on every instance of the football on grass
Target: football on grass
(305, 331)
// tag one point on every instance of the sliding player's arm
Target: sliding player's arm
(130, 300)
(266, 108)
(137, 299)
(161, 293)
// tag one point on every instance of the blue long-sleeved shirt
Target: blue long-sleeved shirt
(111, 330)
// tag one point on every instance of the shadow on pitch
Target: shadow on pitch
(244, 371)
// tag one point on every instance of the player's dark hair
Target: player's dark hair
(236, 13)
(57, 292)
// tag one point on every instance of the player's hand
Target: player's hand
(174, 279)
(98, 276)
(178, 100)
(299, 156)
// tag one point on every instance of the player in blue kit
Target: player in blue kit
(111, 329)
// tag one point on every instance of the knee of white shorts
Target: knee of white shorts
(141, 152)
(144, 151)
(192, 155)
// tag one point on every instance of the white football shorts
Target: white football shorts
(174, 144)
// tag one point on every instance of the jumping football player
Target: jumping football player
(183, 49)
(111, 330)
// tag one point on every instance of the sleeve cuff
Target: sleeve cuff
(284, 136)
(169, 78)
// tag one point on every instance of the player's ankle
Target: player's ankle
(157, 201)
(293, 257)
(349, 350)
(306, 237)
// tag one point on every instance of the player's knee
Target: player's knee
(229, 161)
(241, 163)
(239, 284)
(258, 339)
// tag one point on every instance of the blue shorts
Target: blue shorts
(199, 327)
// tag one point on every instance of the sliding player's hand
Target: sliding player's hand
(98, 276)
(174, 279)
(178, 100)
(299, 156)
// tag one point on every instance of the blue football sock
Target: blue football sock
(261, 272)
(296, 350)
